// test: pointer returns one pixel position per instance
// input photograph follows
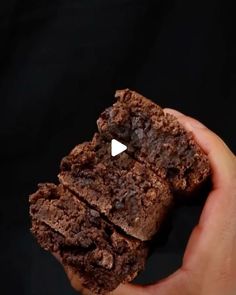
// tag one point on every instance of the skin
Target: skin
(209, 262)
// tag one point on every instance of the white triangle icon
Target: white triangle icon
(117, 147)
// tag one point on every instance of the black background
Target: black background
(61, 62)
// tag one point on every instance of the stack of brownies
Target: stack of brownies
(99, 218)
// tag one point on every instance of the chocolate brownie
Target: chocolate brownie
(102, 256)
(156, 139)
(130, 195)
(105, 208)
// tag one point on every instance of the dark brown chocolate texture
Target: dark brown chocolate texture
(156, 139)
(97, 220)
(130, 195)
(100, 255)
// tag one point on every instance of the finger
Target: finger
(174, 284)
(57, 256)
(74, 278)
(76, 281)
(221, 203)
(222, 160)
(210, 252)
(130, 289)
(212, 244)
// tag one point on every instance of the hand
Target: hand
(209, 263)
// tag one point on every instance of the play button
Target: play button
(117, 147)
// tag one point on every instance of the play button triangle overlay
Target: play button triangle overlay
(117, 147)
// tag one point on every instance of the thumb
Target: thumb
(130, 289)
(172, 285)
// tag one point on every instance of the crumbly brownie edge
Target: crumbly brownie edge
(55, 242)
